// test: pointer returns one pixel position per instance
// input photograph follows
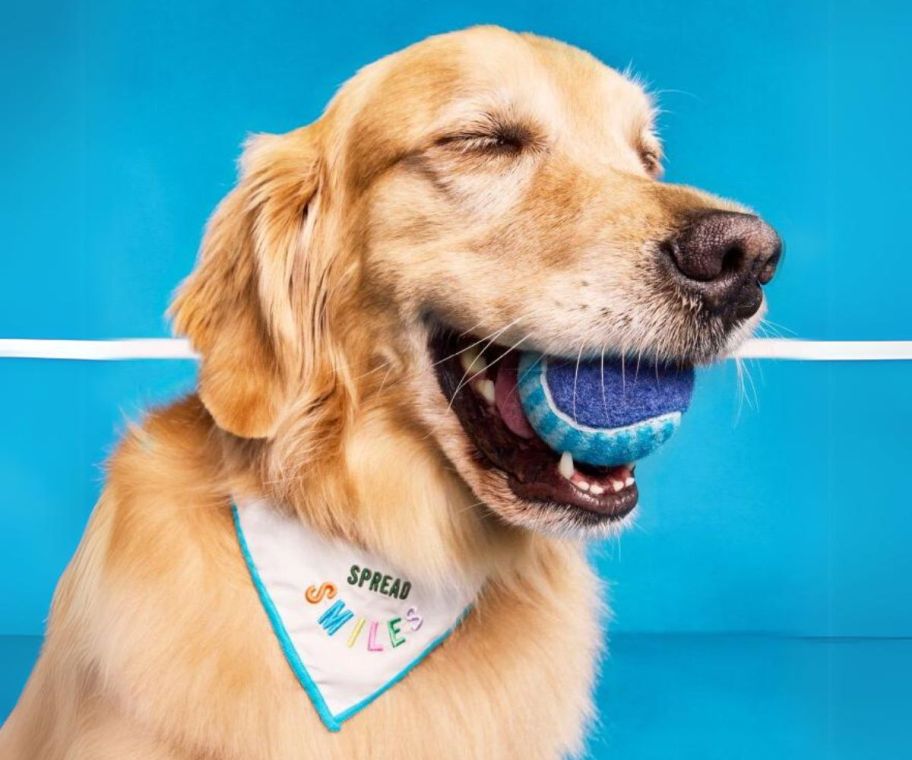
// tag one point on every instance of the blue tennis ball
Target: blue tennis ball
(604, 413)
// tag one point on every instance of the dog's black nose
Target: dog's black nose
(725, 257)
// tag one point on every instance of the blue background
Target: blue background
(764, 601)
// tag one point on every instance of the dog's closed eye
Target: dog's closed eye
(652, 162)
(490, 135)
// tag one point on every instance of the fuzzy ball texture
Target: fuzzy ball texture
(607, 412)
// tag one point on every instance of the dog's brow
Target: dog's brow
(475, 115)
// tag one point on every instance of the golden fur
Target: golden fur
(310, 306)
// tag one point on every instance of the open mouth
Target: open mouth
(479, 379)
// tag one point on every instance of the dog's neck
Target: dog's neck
(409, 508)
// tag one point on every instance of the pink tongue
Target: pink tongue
(506, 397)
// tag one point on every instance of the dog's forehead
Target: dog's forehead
(435, 83)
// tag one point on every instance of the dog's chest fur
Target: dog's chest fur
(168, 654)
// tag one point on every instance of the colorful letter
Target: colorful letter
(372, 644)
(335, 617)
(415, 620)
(315, 595)
(396, 638)
(356, 632)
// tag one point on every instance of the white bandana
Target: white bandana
(349, 625)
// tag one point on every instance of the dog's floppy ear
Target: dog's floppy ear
(237, 307)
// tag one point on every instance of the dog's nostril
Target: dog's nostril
(770, 265)
(732, 260)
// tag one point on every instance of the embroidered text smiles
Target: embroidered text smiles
(338, 615)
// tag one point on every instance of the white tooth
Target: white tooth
(616, 485)
(467, 358)
(581, 484)
(471, 361)
(565, 466)
(596, 489)
(629, 482)
(486, 389)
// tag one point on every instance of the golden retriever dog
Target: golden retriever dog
(476, 192)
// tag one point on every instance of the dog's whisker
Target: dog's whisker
(471, 329)
(519, 378)
(745, 395)
(501, 356)
(775, 329)
(477, 342)
(624, 373)
(471, 506)
(739, 366)
(436, 427)
(753, 387)
(385, 365)
(579, 357)
(385, 378)
(466, 380)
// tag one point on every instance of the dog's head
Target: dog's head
(481, 189)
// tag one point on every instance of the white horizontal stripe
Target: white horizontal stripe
(826, 350)
(178, 348)
(97, 350)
